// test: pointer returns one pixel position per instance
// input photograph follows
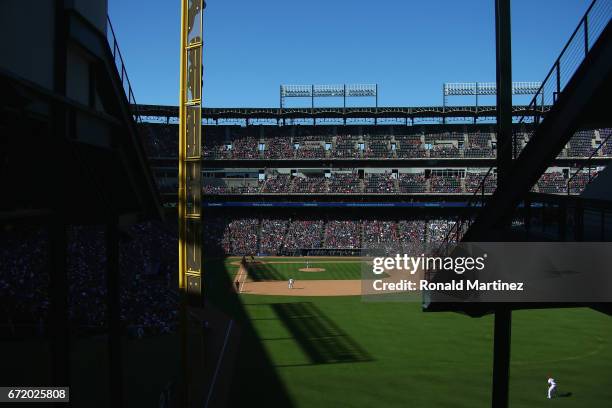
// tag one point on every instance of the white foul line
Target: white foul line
(214, 379)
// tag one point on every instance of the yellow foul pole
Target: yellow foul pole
(189, 173)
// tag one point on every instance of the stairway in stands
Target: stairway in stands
(574, 96)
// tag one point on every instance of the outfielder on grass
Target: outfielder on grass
(552, 387)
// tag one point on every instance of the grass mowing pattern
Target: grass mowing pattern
(342, 352)
(406, 357)
(284, 271)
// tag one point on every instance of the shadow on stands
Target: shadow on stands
(318, 336)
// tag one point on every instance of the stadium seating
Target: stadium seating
(272, 235)
(580, 145)
(412, 231)
(382, 235)
(344, 183)
(345, 147)
(308, 185)
(410, 147)
(438, 229)
(473, 180)
(342, 235)
(304, 234)
(446, 184)
(552, 182)
(161, 140)
(147, 261)
(412, 183)
(279, 183)
(380, 183)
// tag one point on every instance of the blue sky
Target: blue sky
(410, 48)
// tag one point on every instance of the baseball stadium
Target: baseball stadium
(187, 255)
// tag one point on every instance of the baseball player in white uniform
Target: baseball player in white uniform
(290, 283)
(552, 387)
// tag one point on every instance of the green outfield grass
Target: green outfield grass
(343, 352)
(340, 270)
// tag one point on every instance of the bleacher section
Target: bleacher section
(234, 142)
(555, 181)
(276, 236)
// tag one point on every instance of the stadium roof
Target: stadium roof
(334, 112)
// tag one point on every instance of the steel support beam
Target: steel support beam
(58, 283)
(501, 357)
(58, 293)
(503, 53)
(503, 321)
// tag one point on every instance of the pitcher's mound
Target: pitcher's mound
(312, 269)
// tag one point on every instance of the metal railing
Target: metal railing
(588, 30)
(590, 27)
(580, 182)
(123, 75)
(465, 220)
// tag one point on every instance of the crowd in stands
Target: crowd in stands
(410, 147)
(280, 149)
(479, 145)
(380, 183)
(308, 184)
(217, 236)
(412, 231)
(244, 148)
(438, 229)
(606, 142)
(413, 183)
(24, 281)
(377, 149)
(473, 182)
(552, 182)
(344, 183)
(232, 142)
(342, 234)
(280, 183)
(147, 259)
(246, 232)
(346, 147)
(217, 186)
(385, 183)
(578, 183)
(309, 151)
(273, 231)
(445, 184)
(276, 236)
(304, 234)
(383, 235)
(444, 151)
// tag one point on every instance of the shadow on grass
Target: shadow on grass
(263, 272)
(320, 338)
(255, 379)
